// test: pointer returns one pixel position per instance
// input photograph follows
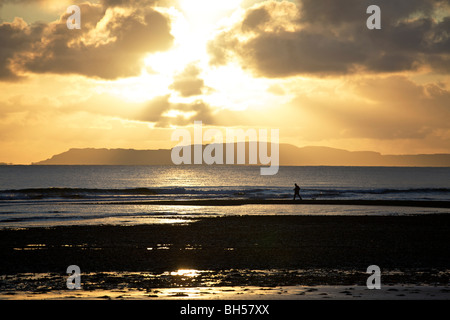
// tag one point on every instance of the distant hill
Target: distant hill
(91, 156)
(289, 156)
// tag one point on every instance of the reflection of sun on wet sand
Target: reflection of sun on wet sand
(233, 257)
(400, 292)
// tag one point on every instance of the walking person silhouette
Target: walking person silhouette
(297, 192)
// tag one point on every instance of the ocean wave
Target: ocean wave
(377, 193)
(74, 193)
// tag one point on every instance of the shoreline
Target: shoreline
(142, 212)
(241, 202)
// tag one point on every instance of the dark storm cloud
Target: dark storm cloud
(326, 37)
(114, 52)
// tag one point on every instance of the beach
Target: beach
(240, 202)
(259, 252)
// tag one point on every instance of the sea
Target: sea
(48, 196)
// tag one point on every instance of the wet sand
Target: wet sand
(241, 202)
(298, 292)
(237, 252)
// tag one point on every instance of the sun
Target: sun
(193, 24)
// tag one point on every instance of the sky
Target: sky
(137, 70)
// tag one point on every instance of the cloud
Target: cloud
(327, 37)
(164, 113)
(188, 83)
(160, 111)
(381, 108)
(134, 3)
(111, 43)
(3, 2)
(104, 3)
(13, 39)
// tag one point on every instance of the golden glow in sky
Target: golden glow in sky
(138, 69)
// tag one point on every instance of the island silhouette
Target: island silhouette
(290, 155)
